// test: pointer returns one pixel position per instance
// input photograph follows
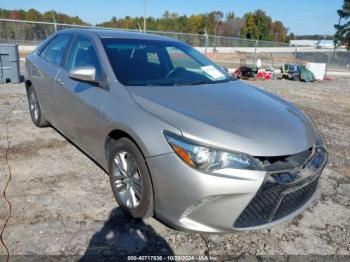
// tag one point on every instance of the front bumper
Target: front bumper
(187, 199)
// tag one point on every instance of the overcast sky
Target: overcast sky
(300, 16)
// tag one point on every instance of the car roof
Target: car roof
(115, 33)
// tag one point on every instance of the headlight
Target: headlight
(209, 159)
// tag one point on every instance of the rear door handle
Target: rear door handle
(60, 82)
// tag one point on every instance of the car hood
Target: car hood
(232, 115)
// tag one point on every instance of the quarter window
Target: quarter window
(82, 54)
(55, 50)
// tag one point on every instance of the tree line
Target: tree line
(34, 15)
(253, 25)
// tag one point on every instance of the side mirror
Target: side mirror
(84, 74)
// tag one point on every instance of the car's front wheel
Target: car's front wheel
(130, 179)
(36, 113)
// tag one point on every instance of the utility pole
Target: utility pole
(335, 43)
(144, 15)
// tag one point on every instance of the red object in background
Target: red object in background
(264, 75)
(238, 73)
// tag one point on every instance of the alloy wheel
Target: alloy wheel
(34, 105)
(127, 179)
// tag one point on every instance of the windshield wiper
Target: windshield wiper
(165, 83)
(205, 82)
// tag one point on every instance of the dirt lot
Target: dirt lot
(62, 203)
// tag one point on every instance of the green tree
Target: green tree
(33, 15)
(279, 31)
(250, 30)
(212, 22)
(264, 25)
(195, 24)
(343, 28)
(260, 26)
(291, 36)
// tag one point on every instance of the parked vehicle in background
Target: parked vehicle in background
(180, 138)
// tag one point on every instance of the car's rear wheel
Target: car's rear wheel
(36, 113)
(130, 179)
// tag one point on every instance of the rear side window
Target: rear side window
(55, 50)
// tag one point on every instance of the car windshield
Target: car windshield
(139, 62)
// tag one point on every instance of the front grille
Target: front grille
(294, 200)
(283, 192)
(273, 202)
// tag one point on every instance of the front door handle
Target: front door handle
(60, 82)
(35, 71)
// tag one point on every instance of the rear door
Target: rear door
(79, 103)
(44, 70)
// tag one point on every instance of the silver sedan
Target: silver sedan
(180, 138)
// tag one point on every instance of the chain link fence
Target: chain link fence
(336, 59)
(226, 51)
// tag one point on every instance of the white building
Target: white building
(304, 42)
(325, 44)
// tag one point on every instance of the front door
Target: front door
(79, 103)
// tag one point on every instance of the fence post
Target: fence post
(206, 41)
(256, 46)
(54, 22)
(328, 61)
(295, 54)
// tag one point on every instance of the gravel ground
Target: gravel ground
(62, 203)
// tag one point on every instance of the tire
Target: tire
(35, 110)
(125, 184)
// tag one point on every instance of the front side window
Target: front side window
(83, 54)
(152, 62)
(55, 50)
